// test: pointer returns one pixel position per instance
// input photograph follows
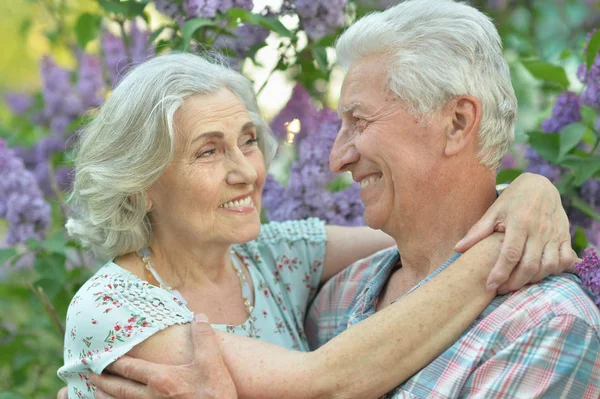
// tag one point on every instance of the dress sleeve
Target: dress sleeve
(109, 316)
(558, 358)
(291, 255)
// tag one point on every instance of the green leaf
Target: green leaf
(583, 167)
(128, 9)
(86, 28)
(583, 206)
(570, 136)
(320, 54)
(274, 25)
(6, 254)
(592, 49)
(580, 240)
(507, 175)
(56, 243)
(589, 116)
(11, 395)
(548, 72)
(157, 33)
(25, 27)
(546, 144)
(51, 266)
(191, 26)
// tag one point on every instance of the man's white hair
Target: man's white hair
(127, 147)
(440, 49)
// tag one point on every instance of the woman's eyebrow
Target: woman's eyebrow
(220, 135)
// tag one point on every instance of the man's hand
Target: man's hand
(206, 377)
(537, 241)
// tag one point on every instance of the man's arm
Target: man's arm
(559, 358)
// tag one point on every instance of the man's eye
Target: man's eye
(360, 124)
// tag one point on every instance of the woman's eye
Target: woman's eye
(207, 153)
(251, 141)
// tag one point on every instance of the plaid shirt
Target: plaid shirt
(541, 341)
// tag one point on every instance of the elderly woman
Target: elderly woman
(168, 187)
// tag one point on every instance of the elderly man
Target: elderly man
(428, 113)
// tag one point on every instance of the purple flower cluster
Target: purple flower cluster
(119, 56)
(199, 8)
(589, 272)
(567, 110)
(306, 194)
(19, 103)
(300, 106)
(318, 18)
(244, 38)
(21, 201)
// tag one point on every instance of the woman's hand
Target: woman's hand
(206, 377)
(537, 241)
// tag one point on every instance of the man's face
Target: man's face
(393, 157)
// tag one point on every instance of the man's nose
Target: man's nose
(343, 153)
(241, 170)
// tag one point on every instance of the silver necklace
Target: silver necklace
(145, 253)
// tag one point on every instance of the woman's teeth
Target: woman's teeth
(236, 204)
(369, 180)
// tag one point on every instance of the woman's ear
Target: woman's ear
(466, 116)
(148, 204)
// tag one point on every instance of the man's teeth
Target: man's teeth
(369, 180)
(236, 204)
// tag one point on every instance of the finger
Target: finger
(132, 369)
(550, 262)
(567, 256)
(118, 387)
(483, 228)
(98, 394)
(63, 393)
(510, 255)
(206, 347)
(523, 273)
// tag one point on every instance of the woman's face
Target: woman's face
(211, 192)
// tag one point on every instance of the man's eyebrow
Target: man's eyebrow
(220, 135)
(350, 107)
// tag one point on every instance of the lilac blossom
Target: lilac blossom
(567, 110)
(318, 17)
(306, 194)
(119, 57)
(168, 8)
(589, 273)
(300, 106)
(90, 81)
(21, 201)
(19, 103)
(539, 165)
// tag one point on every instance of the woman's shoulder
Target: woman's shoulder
(112, 312)
(310, 230)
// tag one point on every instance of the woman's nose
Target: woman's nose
(242, 171)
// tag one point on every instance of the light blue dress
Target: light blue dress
(115, 310)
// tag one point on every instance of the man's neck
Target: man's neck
(426, 237)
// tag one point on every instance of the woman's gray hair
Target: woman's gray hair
(127, 147)
(440, 49)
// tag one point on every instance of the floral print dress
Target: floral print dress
(115, 310)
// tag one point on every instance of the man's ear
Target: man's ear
(465, 113)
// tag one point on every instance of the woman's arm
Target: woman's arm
(346, 245)
(538, 242)
(365, 361)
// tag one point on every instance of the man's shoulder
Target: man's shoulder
(554, 297)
